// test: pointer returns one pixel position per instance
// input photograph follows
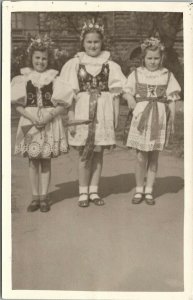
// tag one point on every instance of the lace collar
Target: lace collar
(144, 71)
(39, 79)
(98, 60)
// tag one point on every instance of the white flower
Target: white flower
(90, 25)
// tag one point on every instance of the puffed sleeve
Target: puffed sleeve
(130, 83)
(69, 74)
(18, 90)
(116, 78)
(62, 92)
(173, 89)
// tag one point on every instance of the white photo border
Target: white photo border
(25, 6)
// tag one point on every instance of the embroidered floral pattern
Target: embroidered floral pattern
(89, 82)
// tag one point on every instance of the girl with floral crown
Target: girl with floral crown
(151, 91)
(96, 81)
(40, 97)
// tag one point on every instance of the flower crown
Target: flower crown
(152, 42)
(40, 43)
(90, 26)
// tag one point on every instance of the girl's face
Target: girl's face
(92, 44)
(152, 60)
(40, 61)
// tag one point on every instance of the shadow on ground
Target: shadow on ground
(119, 184)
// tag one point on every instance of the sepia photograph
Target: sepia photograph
(97, 156)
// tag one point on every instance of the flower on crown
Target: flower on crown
(40, 43)
(91, 26)
(152, 42)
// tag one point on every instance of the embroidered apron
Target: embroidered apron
(153, 94)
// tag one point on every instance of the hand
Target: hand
(172, 128)
(47, 119)
(72, 130)
(116, 122)
(40, 125)
(131, 104)
(33, 120)
(130, 101)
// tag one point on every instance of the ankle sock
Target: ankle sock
(93, 189)
(83, 189)
(139, 189)
(148, 190)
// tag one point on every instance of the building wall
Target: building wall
(124, 31)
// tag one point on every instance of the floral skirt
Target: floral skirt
(41, 144)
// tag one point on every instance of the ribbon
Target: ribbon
(89, 146)
(143, 123)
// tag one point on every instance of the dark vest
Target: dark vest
(46, 91)
(88, 82)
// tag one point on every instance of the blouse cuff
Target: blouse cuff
(115, 91)
(174, 96)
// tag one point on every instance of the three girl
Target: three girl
(90, 85)
(40, 98)
(154, 90)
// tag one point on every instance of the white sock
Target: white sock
(83, 189)
(148, 190)
(139, 189)
(93, 189)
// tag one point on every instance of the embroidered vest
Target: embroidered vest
(88, 82)
(46, 93)
(147, 92)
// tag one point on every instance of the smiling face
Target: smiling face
(152, 60)
(92, 44)
(40, 61)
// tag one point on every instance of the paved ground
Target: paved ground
(118, 247)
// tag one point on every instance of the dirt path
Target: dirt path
(118, 247)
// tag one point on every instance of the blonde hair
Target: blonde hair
(152, 48)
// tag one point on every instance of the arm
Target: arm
(130, 101)
(172, 107)
(71, 117)
(116, 102)
(59, 109)
(21, 110)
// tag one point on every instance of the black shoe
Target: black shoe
(85, 202)
(149, 199)
(139, 199)
(44, 206)
(96, 200)
(34, 205)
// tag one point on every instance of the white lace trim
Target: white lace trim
(39, 79)
(98, 60)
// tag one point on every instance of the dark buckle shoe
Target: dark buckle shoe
(34, 205)
(137, 199)
(85, 202)
(149, 199)
(44, 206)
(96, 200)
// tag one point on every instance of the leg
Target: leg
(151, 175)
(45, 182)
(84, 171)
(34, 180)
(97, 165)
(141, 166)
